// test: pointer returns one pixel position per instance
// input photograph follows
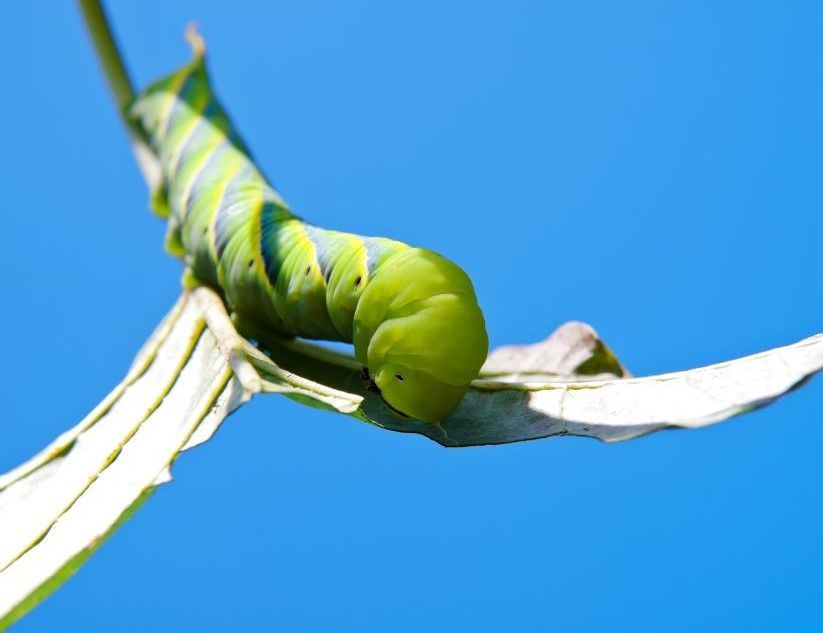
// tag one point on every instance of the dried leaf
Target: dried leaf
(527, 400)
(56, 509)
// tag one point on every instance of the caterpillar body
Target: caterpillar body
(411, 314)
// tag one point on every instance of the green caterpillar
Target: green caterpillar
(411, 314)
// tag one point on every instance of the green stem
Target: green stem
(119, 83)
(107, 52)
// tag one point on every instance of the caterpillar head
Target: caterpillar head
(419, 331)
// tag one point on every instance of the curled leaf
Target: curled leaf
(572, 384)
(573, 350)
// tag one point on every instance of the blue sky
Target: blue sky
(650, 168)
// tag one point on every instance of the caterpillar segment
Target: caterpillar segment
(411, 314)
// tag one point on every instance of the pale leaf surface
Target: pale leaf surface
(57, 508)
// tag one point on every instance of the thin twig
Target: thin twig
(119, 83)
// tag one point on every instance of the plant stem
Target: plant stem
(119, 83)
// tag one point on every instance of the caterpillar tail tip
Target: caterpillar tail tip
(195, 40)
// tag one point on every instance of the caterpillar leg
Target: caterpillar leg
(237, 349)
(188, 280)
(173, 242)
(158, 200)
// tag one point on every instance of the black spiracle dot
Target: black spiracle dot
(308, 269)
(400, 377)
(358, 281)
(251, 263)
